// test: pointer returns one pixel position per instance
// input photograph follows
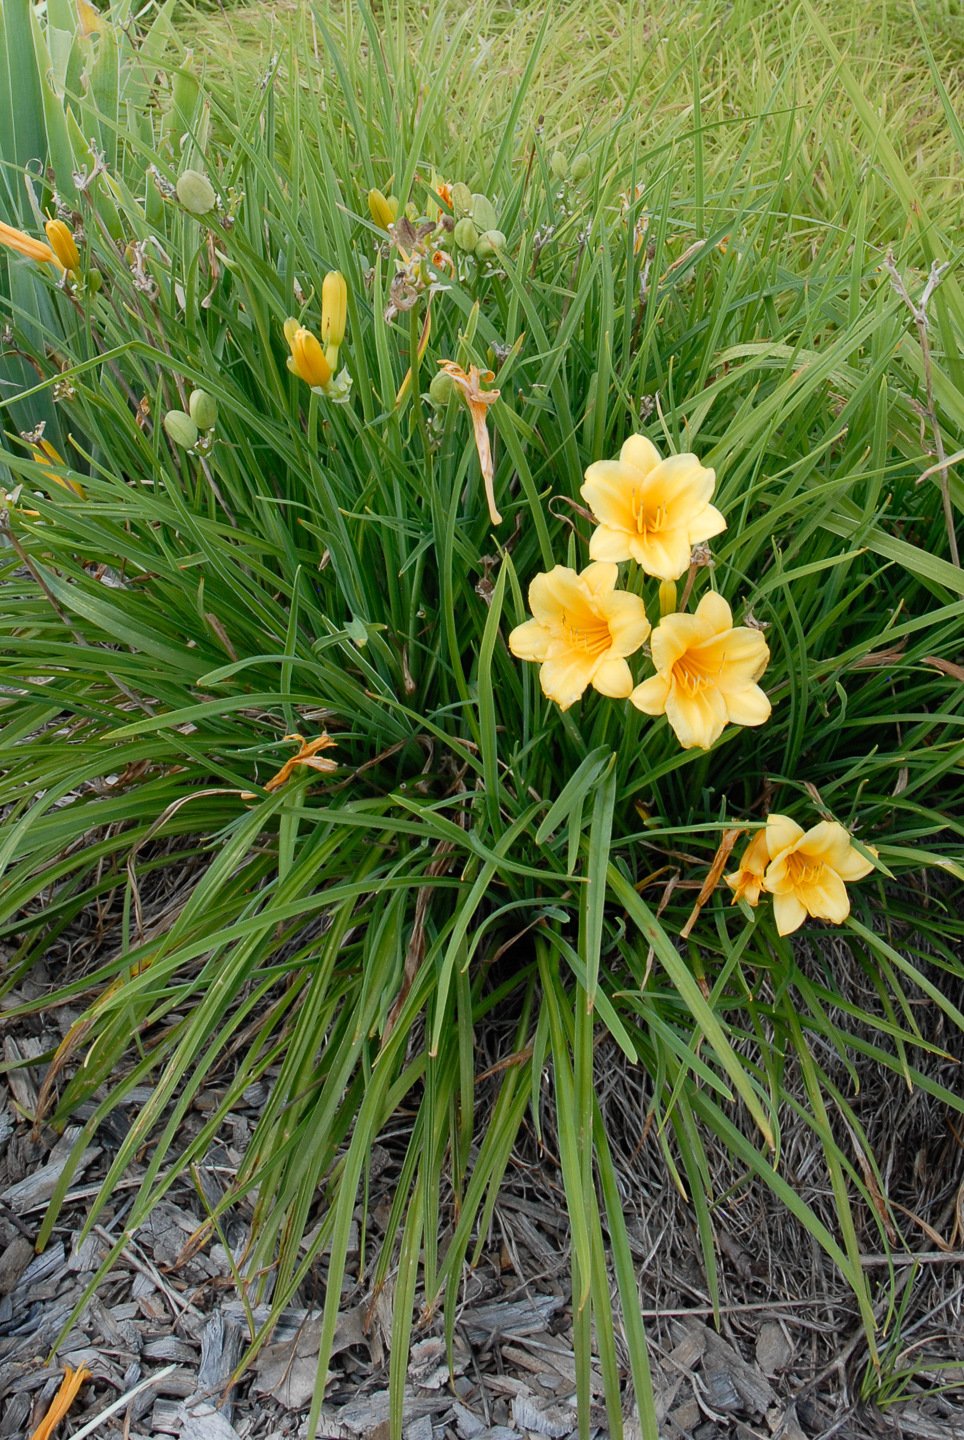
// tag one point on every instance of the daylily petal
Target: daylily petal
(530, 641)
(781, 832)
(607, 493)
(640, 453)
(826, 897)
(613, 678)
(683, 476)
(651, 695)
(715, 614)
(708, 523)
(556, 594)
(746, 706)
(673, 636)
(666, 556)
(565, 677)
(608, 544)
(853, 866)
(628, 624)
(789, 913)
(601, 578)
(698, 720)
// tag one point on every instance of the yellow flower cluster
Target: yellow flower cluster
(804, 871)
(583, 631)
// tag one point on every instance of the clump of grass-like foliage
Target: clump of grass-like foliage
(318, 563)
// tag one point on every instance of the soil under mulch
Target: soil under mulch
(166, 1326)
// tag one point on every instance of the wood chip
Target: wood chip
(203, 1422)
(551, 1420)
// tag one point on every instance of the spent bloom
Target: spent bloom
(649, 509)
(746, 881)
(582, 630)
(808, 870)
(478, 400)
(307, 359)
(706, 674)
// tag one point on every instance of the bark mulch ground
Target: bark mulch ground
(165, 1328)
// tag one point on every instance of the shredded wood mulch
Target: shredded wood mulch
(163, 1331)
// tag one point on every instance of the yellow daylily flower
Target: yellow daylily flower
(582, 631)
(26, 245)
(307, 359)
(63, 244)
(746, 882)
(808, 871)
(649, 509)
(334, 313)
(706, 673)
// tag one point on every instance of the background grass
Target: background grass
(482, 860)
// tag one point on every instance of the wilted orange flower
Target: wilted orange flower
(478, 401)
(62, 1401)
(307, 755)
(582, 631)
(649, 509)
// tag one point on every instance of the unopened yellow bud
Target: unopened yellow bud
(667, 597)
(383, 209)
(63, 245)
(334, 309)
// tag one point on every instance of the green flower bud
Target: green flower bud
(195, 192)
(465, 235)
(559, 165)
(483, 213)
(204, 409)
(442, 388)
(181, 429)
(581, 165)
(461, 199)
(490, 244)
(94, 280)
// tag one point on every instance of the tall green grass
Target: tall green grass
(482, 861)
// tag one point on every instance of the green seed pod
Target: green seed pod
(195, 192)
(181, 429)
(442, 388)
(204, 409)
(483, 213)
(559, 165)
(489, 244)
(465, 235)
(581, 165)
(461, 199)
(94, 281)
